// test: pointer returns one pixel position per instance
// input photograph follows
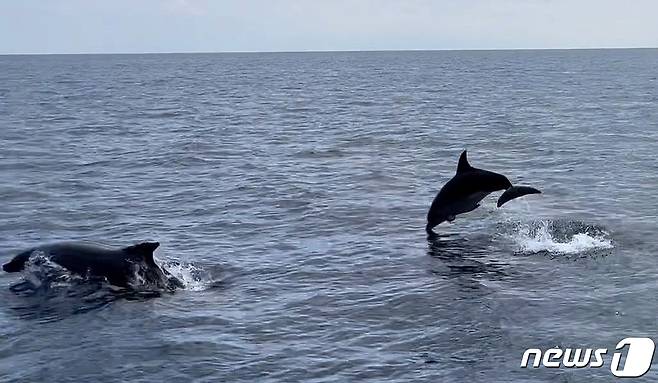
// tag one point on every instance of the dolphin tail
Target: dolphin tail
(431, 234)
(516, 192)
(428, 228)
(429, 231)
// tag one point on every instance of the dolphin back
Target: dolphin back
(463, 166)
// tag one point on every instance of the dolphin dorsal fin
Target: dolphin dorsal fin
(463, 165)
(143, 249)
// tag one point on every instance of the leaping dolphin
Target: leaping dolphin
(466, 189)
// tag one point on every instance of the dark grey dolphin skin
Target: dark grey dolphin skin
(515, 192)
(118, 266)
(466, 189)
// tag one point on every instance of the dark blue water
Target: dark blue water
(291, 190)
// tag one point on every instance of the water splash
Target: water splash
(193, 277)
(560, 237)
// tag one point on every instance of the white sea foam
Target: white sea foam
(193, 277)
(544, 237)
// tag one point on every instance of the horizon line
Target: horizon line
(329, 51)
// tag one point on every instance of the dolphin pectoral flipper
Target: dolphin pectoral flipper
(516, 192)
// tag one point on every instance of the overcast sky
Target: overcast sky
(109, 26)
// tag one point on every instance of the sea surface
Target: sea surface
(289, 192)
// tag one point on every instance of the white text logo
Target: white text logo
(639, 354)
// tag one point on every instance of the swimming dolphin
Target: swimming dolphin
(466, 189)
(121, 267)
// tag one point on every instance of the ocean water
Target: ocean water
(289, 192)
